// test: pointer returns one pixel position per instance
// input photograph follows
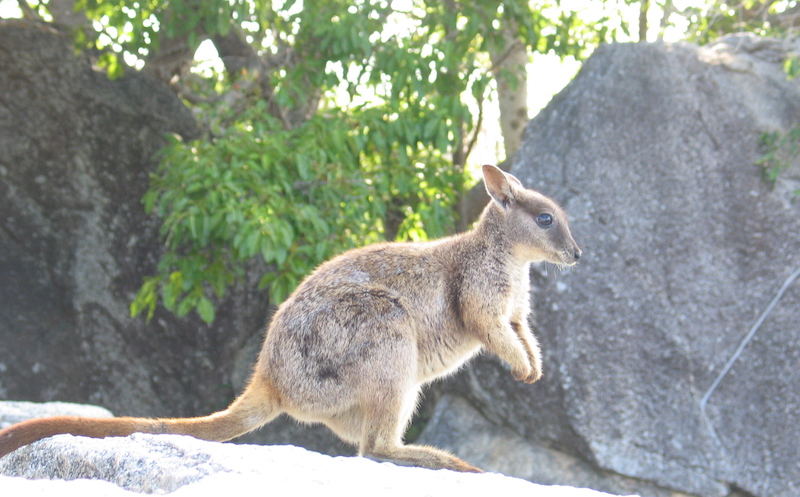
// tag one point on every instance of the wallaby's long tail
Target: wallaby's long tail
(256, 406)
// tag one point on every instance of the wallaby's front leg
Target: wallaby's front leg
(531, 345)
(501, 339)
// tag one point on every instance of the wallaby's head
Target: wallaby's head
(537, 226)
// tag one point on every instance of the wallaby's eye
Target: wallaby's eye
(544, 220)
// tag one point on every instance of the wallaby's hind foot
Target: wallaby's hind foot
(383, 432)
(419, 455)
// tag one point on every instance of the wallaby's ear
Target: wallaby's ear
(513, 179)
(498, 185)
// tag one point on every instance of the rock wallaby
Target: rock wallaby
(355, 343)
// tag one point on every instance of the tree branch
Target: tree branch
(28, 12)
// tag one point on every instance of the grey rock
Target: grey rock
(183, 466)
(458, 426)
(21, 487)
(653, 151)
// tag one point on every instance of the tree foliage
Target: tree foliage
(350, 123)
(332, 124)
(703, 21)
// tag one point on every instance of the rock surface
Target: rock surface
(458, 426)
(648, 369)
(12, 412)
(75, 153)
(184, 466)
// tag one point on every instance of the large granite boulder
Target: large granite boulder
(76, 151)
(184, 466)
(672, 350)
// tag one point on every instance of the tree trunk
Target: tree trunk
(509, 60)
(643, 8)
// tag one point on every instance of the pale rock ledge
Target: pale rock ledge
(184, 466)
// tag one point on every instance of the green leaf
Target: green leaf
(185, 306)
(252, 244)
(145, 299)
(791, 66)
(429, 132)
(193, 226)
(304, 168)
(277, 291)
(281, 253)
(206, 310)
(223, 25)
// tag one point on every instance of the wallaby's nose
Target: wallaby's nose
(577, 254)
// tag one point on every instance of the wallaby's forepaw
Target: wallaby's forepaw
(530, 376)
(536, 366)
(535, 376)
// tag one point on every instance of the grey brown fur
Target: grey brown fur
(354, 344)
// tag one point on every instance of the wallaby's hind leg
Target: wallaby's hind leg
(385, 422)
